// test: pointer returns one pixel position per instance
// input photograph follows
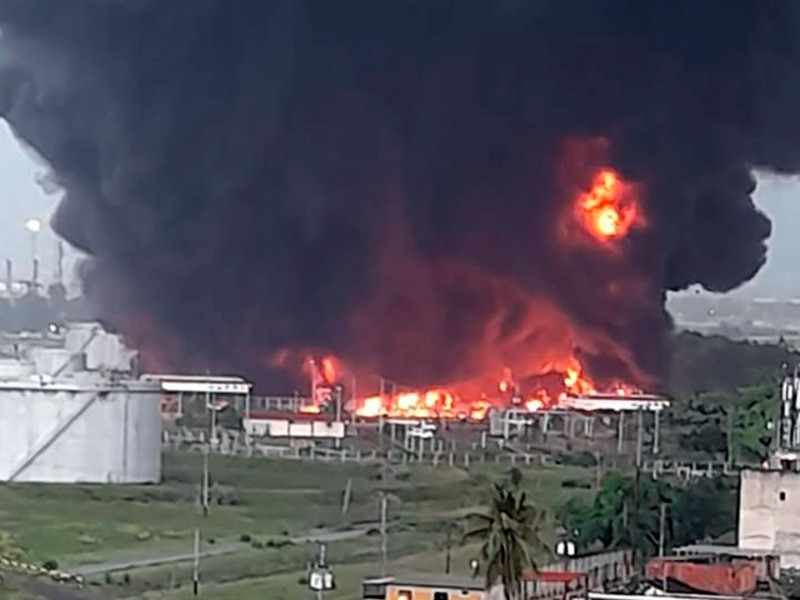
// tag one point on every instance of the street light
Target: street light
(34, 226)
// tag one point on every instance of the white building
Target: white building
(769, 519)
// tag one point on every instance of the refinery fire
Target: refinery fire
(487, 224)
(450, 403)
(529, 362)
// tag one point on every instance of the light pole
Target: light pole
(34, 226)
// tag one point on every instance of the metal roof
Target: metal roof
(431, 580)
(200, 383)
(716, 550)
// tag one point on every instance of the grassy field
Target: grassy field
(266, 501)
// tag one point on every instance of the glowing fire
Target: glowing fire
(458, 401)
(324, 373)
(608, 210)
(448, 404)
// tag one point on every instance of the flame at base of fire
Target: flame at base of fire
(442, 403)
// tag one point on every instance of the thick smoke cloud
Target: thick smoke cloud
(369, 176)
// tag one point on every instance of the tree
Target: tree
(511, 534)
(699, 510)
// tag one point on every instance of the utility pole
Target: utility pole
(196, 567)
(656, 432)
(338, 441)
(730, 414)
(639, 437)
(621, 432)
(354, 401)
(447, 550)
(380, 413)
(348, 490)
(662, 521)
(636, 534)
(384, 541)
(598, 458)
(247, 440)
(204, 498)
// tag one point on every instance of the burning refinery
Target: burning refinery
(547, 376)
(479, 204)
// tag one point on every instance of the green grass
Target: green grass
(268, 500)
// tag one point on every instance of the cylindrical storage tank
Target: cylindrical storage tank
(51, 361)
(13, 369)
(89, 432)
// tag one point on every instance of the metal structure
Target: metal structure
(787, 453)
(71, 410)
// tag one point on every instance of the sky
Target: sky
(23, 198)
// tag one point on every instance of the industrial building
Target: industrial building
(73, 411)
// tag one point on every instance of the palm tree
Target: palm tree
(510, 532)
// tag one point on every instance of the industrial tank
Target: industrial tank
(72, 411)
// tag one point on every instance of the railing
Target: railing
(689, 470)
(277, 403)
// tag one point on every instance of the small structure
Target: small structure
(569, 578)
(424, 586)
(767, 564)
(614, 402)
(278, 424)
(177, 389)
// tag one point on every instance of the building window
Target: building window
(782, 496)
(405, 595)
(441, 596)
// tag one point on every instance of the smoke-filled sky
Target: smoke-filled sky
(397, 181)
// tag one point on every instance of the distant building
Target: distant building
(768, 516)
(768, 498)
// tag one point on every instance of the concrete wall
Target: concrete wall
(768, 515)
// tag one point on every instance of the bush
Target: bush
(50, 565)
(245, 538)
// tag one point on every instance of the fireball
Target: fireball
(608, 210)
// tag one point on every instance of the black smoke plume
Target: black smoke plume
(380, 178)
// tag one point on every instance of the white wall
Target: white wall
(300, 429)
(45, 438)
(769, 517)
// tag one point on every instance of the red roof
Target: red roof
(554, 576)
(722, 579)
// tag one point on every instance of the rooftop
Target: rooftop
(431, 580)
(717, 550)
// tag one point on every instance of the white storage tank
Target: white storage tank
(63, 422)
(86, 432)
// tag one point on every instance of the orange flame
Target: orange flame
(608, 210)
(448, 404)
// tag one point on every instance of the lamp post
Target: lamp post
(34, 226)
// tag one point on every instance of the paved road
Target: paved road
(217, 550)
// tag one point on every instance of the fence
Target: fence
(238, 445)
